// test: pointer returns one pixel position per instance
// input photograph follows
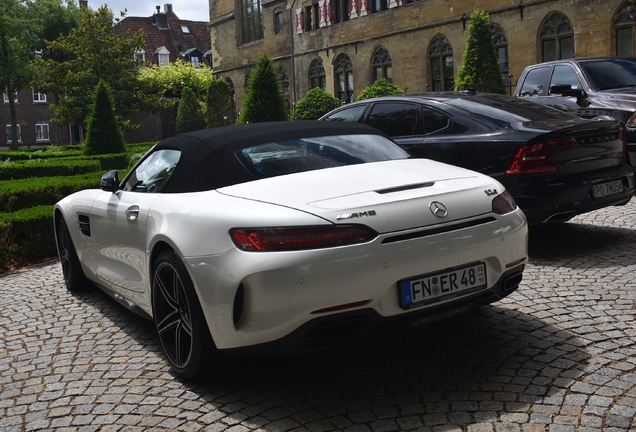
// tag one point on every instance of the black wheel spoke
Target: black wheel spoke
(172, 315)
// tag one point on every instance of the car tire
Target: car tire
(74, 277)
(179, 320)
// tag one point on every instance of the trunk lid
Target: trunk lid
(386, 196)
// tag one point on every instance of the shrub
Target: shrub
(27, 235)
(61, 167)
(382, 87)
(264, 100)
(103, 134)
(32, 192)
(189, 115)
(480, 64)
(219, 104)
(314, 105)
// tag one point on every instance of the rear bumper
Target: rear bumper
(363, 325)
(560, 199)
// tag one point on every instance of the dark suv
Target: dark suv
(586, 87)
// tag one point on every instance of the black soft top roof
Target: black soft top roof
(208, 157)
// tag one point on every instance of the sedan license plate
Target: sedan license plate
(438, 287)
(607, 189)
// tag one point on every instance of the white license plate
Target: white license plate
(607, 189)
(438, 287)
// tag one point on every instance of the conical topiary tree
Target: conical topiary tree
(314, 105)
(382, 87)
(220, 106)
(189, 114)
(103, 134)
(480, 64)
(264, 100)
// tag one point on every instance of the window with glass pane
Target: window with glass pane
(39, 97)
(317, 76)
(394, 119)
(564, 74)
(534, 82)
(381, 63)
(278, 22)
(42, 130)
(251, 20)
(343, 71)
(442, 68)
(557, 38)
(9, 136)
(624, 41)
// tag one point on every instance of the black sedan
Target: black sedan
(555, 165)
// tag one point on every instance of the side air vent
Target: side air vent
(84, 225)
(405, 187)
(440, 230)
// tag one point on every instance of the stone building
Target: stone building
(343, 46)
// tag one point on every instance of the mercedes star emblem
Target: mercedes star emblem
(438, 209)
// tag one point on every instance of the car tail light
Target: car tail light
(532, 158)
(285, 239)
(503, 203)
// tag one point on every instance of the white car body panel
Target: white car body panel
(283, 290)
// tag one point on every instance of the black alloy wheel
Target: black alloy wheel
(178, 317)
(74, 277)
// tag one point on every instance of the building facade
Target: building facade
(34, 116)
(343, 46)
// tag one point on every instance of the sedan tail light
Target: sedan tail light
(532, 158)
(287, 239)
(503, 203)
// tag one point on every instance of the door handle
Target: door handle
(132, 212)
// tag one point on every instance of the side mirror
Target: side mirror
(110, 181)
(566, 90)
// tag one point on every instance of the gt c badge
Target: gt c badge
(438, 209)
(490, 191)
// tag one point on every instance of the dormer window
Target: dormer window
(163, 56)
(140, 55)
(185, 28)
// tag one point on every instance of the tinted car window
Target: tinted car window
(153, 173)
(565, 74)
(286, 157)
(505, 109)
(395, 119)
(347, 115)
(534, 82)
(434, 120)
(607, 74)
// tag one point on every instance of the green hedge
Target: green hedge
(24, 193)
(21, 155)
(61, 167)
(107, 162)
(27, 235)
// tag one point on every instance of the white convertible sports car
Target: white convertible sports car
(289, 237)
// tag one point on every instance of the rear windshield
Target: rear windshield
(610, 74)
(505, 109)
(286, 157)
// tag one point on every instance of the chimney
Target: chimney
(83, 4)
(158, 9)
(167, 8)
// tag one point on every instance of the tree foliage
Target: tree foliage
(382, 87)
(480, 64)
(220, 106)
(23, 27)
(264, 100)
(314, 105)
(90, 53)
(103, 134)
(168, 81)
(189, 114)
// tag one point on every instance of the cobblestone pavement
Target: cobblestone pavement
(558, 355)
